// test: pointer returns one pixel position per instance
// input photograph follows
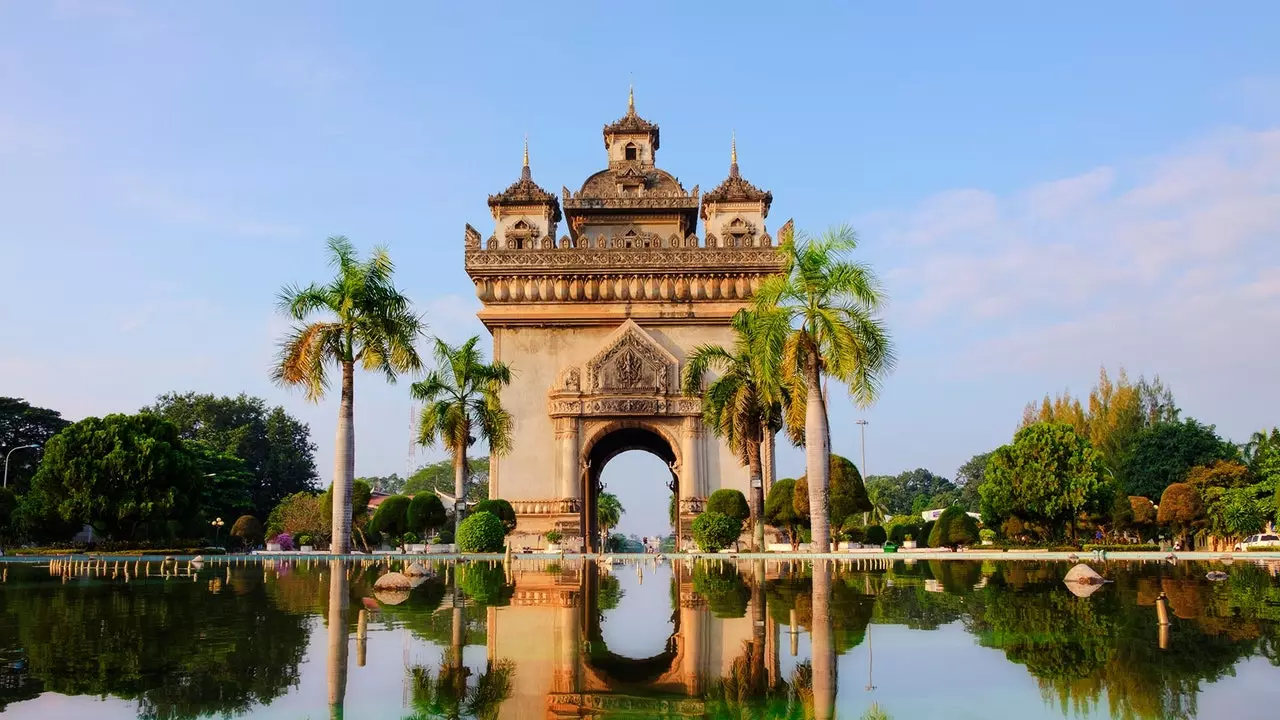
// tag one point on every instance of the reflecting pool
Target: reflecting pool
(312, 638)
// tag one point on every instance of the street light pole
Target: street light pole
(862, 425)
(6, 461)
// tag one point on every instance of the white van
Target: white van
(1253, 540)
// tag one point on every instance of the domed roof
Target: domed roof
(657, 182)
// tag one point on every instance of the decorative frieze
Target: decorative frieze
(554, 506)
(622, 287)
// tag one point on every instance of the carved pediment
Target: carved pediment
(632, 362)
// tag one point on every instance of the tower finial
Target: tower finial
(526, 149)
(733, 154)
(631, 99)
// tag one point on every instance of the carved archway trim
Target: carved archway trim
(594, 435)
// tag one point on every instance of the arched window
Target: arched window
(632, 152)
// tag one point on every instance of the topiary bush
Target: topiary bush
(729, 502)
(425, 513)
(285, 540)
(953, 528)
(410, 538)
(853, 533)
(484, 583)
(876, 535)
(553, 537)
(481, 532)
(723, 589)
(248, 530)
(390, 517)
(899, 533)
(500, 509)
(922, 537)
(987, 535)
(445, 536)
(715, 531)
(304, 541)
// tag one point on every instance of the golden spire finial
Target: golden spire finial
(631, 99)
(526, 149)
(733, 148)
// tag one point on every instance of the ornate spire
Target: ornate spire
(733, 154)
(631, 99)
(524, 171)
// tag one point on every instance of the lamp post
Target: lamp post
(6, 460)
(217, 529)
(862, 425)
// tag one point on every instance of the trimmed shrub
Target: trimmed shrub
(846, 494)
(780, 510)
(304, 540)
(481, 532)
(248, 530)
(445, 536)
(285, 540)
(898, 533)
(410, 538)
(1180, 506)
(425, 513)
(876, 535)
(987, 535)
(500, 509)
(922, 538)
(553, 536)
(953, 528)
(853, 533)
(729, 502)
(1144, 511)
(715, 531)
(389, 518)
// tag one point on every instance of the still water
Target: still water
(747, 639)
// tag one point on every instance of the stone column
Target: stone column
(567, 447)
(568, 641)
(691, 481)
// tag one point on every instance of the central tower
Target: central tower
(596, 324)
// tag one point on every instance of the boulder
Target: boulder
(392, 581)
(391, 597)
(1216, 576)
(1082, 574)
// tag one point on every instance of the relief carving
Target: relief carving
(632, 362)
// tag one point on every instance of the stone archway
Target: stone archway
(609, 441)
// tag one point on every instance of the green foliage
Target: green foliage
(926, 531)
(853, 532)
(1049, 474)
(1143, 511)
(8, 515)
(391, 484)
(248, 530)
(1122, 547)
(22, 424)
(729, 502)
(969, 478)
(500, 509)
(876, 535)
(481, 532)
(361, 494)
(410, 538)
(898, 532)
(609, 511)
(390, 518)
(987, 535)
(1180, 508)
(226, 482)
(275, 448)
(715, 531)
(847, 495)
(426, 513)
(445, 536)
(129, 476)
(723, 588)
(438, 476)
(953, 528)
(484, 583)
(1164, 452)
(1239, 511)
(553, 536)
(780, 509)
(305, 540)
(299, 513)
(912, 492)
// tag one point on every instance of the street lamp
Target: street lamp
(217, 529)
(6, 460)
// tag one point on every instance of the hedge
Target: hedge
(876, 535)
(715, 531)
(500, 509)
(1145, 547)
(729, 502)
(481, 533)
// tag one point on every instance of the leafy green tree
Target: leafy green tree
(226, 484)
(391, 484)
(129, 476)
(1164, 452)
(502, 510)
(8, 516)
(1180, 509)
(876, 535)
(820, 314)
(723, 588)
(390, 519)
(912, 492)
(463, 404)
(969, 478)
(846, 494)
(367, 321)
(1049, 474)
(275, 447)
(22, 424)
(953, 528)
(739, 405)
(715, 531)
(1236, 512)
(439, 476)
(481, 533)
(426, 513)
(780, 509)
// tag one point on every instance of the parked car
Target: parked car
(1255, 540)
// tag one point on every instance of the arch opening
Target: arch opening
(637, 473)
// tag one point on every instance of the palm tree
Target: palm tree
(462, 398)
(821, 315)
(370, 322)
(609, 513)
(737, 405)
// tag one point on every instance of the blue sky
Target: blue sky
(1045, 189)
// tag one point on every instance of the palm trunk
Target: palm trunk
(823, 650)
(759, 625)
(757, 495)
(338, 658)
(817, 454)
(459, 489)
(344, 463)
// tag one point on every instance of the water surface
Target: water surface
(954, 639)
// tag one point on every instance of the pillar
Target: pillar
(568, 642)
(567, 447)
(691, 481)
